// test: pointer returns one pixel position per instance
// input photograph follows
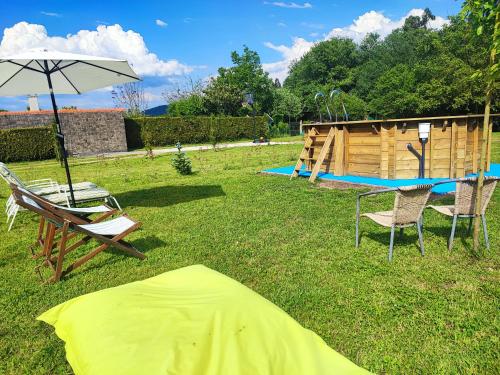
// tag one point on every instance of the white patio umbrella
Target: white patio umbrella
(51, 72)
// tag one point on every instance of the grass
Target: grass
(289, 241)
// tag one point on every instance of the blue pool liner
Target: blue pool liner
(374, 181)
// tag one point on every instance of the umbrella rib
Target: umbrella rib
(25, 66)
(40, 65)
(15, 74)
(71, 83)
(109, 70)
(56, 68)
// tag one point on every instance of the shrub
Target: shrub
(181, 162)
(163, 131)
(30, 143)
(280, 129)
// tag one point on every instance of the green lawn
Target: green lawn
(289, 241)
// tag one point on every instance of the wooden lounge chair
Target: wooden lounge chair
(409, 204)
(52, 191)
(465, 203)
(69, 225)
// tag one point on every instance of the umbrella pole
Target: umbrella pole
(60, 135)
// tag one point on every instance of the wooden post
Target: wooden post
(453, 149)
(490, 138)
(338, 169)
(475, 149)
(431, 152)
(384, 151)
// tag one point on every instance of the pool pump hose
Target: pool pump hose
(421, 158)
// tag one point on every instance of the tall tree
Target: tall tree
(286, 105)
(329, 64)
(485, 19)
(245, 76)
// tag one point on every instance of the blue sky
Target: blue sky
(167, 40)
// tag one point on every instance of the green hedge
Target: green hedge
(22, 144)
(163, 131)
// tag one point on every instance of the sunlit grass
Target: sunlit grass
(289, 241)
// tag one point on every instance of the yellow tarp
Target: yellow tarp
(189, 321)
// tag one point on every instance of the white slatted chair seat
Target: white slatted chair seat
(46, 190)
(80, 195)
(111, 227)
(86, 210)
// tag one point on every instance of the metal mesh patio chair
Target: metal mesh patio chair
(409, 204)
(465, 204)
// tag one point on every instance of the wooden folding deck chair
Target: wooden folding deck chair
(465, 204)
(59, 220)
(409, 203)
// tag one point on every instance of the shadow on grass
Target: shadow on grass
(409, 237)
(143, 245)
(164, 196)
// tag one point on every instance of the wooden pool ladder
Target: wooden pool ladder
(307, 154)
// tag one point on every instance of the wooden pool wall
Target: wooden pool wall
(378, 148)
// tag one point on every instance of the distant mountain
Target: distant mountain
(156, 111)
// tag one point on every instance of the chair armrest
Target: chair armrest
(360, 195)
(373, 192)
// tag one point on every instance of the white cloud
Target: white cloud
(107, 41)
(281, 24)
(279, 69)
(376, 22)
(369, 22)
(292, 5)
(51, 14)
(161, 23)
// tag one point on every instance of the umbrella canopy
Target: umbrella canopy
(40, 71)
(25, 74)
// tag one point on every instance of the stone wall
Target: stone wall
(90, 131)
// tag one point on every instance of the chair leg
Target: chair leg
(357, 230)
(469, 229)
(420, 238)
(452, 234)
(116, 204)
(16, 209)
(485, 231)
(391, 243)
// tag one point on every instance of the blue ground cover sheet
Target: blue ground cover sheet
(440, 189)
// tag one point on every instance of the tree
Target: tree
(192, 105)
(184, 89)
(225, 93)
(485, 19)
(132, 97)
(417, 22)
(223, 96)
(286, 104)
(329, 64)
(394, 93)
